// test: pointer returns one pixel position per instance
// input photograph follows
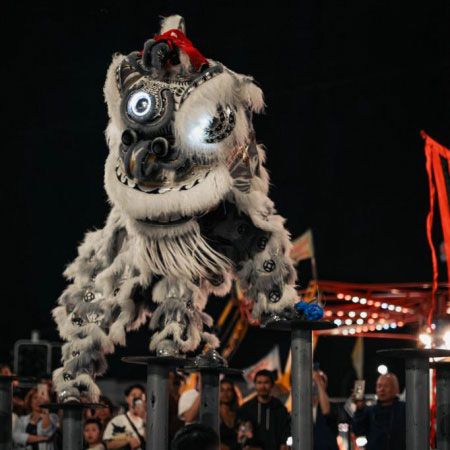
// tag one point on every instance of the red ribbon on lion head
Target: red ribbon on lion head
(176, 38)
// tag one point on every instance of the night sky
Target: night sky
(348, 86)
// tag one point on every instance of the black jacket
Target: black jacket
(271, 421)
(325, 431)
(383, 426)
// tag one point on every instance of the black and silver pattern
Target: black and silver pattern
(131, 74)
(221, 126)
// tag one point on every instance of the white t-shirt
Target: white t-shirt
(119, 427)
(186, 400)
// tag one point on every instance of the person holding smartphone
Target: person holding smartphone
(35, 430)
(127, 431)
(384, 423)
(325, 425)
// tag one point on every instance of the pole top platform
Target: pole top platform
(170, 361)
(407, 353)
(213, 370)
(297, 324)
(72, 406)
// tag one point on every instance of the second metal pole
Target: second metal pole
(302, 419)
(443, 406)
(157, 406)
(72, 428)
(209, 406)
(417, 402)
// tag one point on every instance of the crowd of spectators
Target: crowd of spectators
(262, 422)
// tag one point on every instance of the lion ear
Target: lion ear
(175, 22)
(252, 95)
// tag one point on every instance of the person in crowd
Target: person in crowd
(5, 371)
(35, 430)
(18, 401)
(104, 414)
(189, 405)
(229, 405)
(195, 436)
(325, 425)
(127, 431)
(175, 382)
(92, 434)
(18, 395)
(268, 415)
(383, 424)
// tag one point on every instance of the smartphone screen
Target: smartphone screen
(359, 389)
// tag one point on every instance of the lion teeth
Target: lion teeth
(162, 190)
(190, 185)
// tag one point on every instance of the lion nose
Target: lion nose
(160, 147)
(129, 137)
(144, 160)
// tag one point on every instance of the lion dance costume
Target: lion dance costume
(190, 213)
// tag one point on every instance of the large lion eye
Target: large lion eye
(141, 106)
(221, 126)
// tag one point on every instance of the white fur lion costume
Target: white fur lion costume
(190, 212)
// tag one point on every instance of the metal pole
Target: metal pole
(209, 406)
(157, 406)
(5, 413)
(417, 403)
(72, 427)
(443, 406)
(302, 420)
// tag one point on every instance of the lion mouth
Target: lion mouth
(172, 220)
(161, 188)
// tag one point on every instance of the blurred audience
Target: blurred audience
(383, 424)
(18, 394)
(189, 405)
(195, 437)
(92, 434)
(228, 415)
(127, 431)
(175, 384)
(5, 370)
(18, 401)
(36, 429)
(269, 417)
(103, 414)
(325, 425)
(262, 423)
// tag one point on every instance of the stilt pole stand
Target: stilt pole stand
(301, 375)
(158, 368)
(417, 377)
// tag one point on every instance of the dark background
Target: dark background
(348, 84)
